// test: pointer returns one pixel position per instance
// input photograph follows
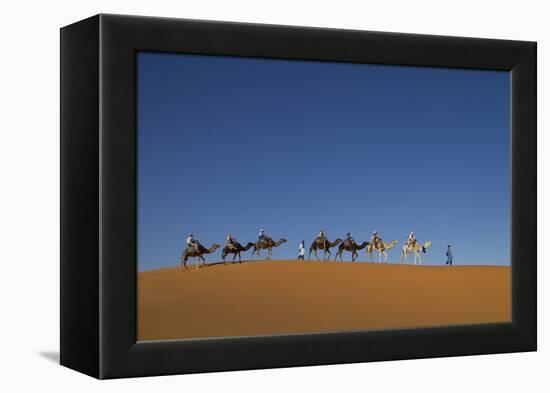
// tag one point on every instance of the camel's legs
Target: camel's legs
(183, 262)
(315, 252)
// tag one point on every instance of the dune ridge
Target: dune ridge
(289, 296)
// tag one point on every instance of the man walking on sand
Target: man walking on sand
(449, 256)
(301, 251)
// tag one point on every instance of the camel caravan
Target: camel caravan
(194, 249)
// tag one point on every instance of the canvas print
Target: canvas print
(289, 197)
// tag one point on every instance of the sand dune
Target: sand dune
(281, 297)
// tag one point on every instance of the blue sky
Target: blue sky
(232, 145)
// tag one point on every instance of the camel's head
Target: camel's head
(393, 243)
(425, 246)
(283, 240)
(214, 247)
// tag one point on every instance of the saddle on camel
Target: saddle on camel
(349, 243)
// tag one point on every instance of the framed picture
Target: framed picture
(240, 196)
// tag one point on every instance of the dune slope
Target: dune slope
(282, 297)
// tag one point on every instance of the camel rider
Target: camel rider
(191, 242)
(322, 237)
(374, 239)
(231, 242)
(411, 240)
(261, 236)
(349, 238)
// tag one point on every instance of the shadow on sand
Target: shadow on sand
(220, 263)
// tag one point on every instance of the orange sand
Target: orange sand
(282, 297)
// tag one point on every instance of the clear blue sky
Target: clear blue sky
(230, 144)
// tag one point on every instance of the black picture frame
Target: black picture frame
(98, 195)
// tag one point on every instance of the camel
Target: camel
(407, 249)
(191, 252)
(318, 244)
(236, 251)
(381, 247)
(352, 247)
(268, 245)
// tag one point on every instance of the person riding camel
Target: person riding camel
(411, 240)
(323, 238)
(261, 236)
(374, 239)
(231, 242)
(350, 238)
(191, 242)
